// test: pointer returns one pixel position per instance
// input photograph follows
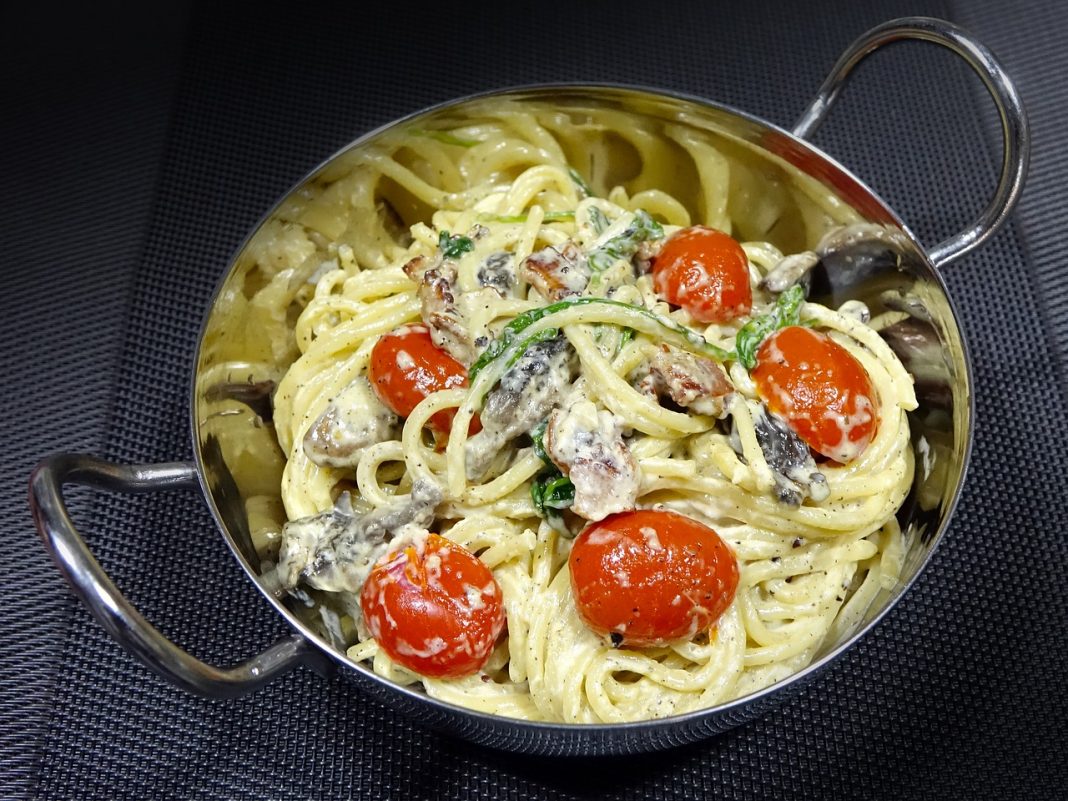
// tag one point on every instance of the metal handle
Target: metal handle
(108, 605)
(1016, 133)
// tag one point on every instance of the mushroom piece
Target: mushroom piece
(525, 395)
(353, 420)
(790, 270)
(796, 475)
(498, 272)
(336, 550)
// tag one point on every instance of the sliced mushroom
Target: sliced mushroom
(791, 270)
(336, 550)
(353, 420)
(587, 445)
(796, 475)
(524, 397)
(498, 272)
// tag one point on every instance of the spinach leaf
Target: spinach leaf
(552, 492)
(580, 182)
(509, 336)
(642, 228)
(598, 220)
(452, 247)
(787, 312)
(537, 436)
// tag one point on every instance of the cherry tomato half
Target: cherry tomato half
(649, 577)
(434, 608)
(706, 272)
(406, 366)
(820, 390)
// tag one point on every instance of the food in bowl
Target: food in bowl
(562, 438)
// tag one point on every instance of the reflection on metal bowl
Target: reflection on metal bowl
(863, 251)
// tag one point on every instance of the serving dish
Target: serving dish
(875, 267)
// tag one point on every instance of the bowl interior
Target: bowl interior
(781, 190)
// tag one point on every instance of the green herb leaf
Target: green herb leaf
(557, 492)
(787, 312)
(452, 247)
(537, 436)
(551, 493)
(510, 334)
(580, 182)
(598, 220)
(541, 336)
(642, 228)
(445, 137)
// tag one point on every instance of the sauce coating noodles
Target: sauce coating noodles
(452, 234)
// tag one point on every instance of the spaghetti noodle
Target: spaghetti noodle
(574, 388)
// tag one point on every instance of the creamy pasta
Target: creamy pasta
(486, 340)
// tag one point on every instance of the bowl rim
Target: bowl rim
(778, 688)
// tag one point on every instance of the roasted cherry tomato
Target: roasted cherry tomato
(706, 272)
(434, 608)
(820, 390)
(649, 577)
(406, 366)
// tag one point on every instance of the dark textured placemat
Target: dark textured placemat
(1034, 54)
(82, 132)
(957, 694)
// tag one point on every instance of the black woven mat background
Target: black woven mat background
(138, 146)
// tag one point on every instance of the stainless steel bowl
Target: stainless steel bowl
(884, 264)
